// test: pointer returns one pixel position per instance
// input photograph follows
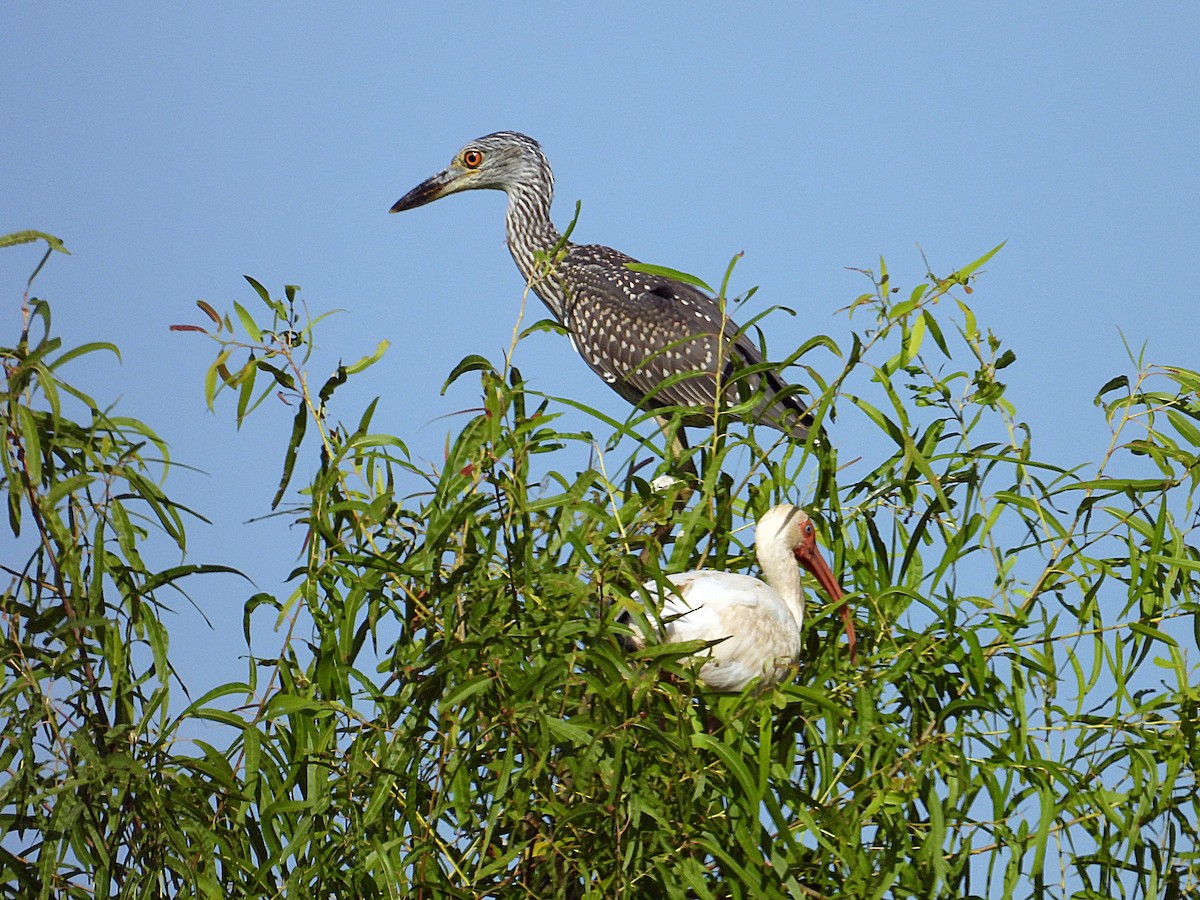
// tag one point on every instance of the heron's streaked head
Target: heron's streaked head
(497, 161)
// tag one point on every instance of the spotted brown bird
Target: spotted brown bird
(657, 341)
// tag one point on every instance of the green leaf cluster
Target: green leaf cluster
(450, 710)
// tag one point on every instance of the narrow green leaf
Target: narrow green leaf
(262, 292)
(673, 274)
(299, 426)
(972, 267)
(1152, 633)
(471, 363)
(370, 360)
(27, 237)
(248, 324)
(82, 350)
(30, 437)
(913, 338)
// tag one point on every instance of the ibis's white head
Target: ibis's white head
(756, 625)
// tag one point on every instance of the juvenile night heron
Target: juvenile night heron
(636, 331)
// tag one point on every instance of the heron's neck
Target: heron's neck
(531, 235)
(781, 572)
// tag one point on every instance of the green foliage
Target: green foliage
(450, 712)
(89, 789)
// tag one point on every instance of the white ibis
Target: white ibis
(756, 623)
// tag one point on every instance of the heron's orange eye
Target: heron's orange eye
(472, 159)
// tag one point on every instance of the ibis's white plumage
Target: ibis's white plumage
(756, 623)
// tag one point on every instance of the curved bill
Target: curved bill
(809, 557)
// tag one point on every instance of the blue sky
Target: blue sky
(174, 148)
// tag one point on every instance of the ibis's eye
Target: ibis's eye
(808, 528)
(472, 159)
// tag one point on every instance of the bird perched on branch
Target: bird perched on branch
(657, 341)
(755, 624)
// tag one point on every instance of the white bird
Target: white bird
(756, 624)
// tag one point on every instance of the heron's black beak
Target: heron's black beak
(441, 184)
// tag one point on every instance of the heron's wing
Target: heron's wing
(637, 331)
